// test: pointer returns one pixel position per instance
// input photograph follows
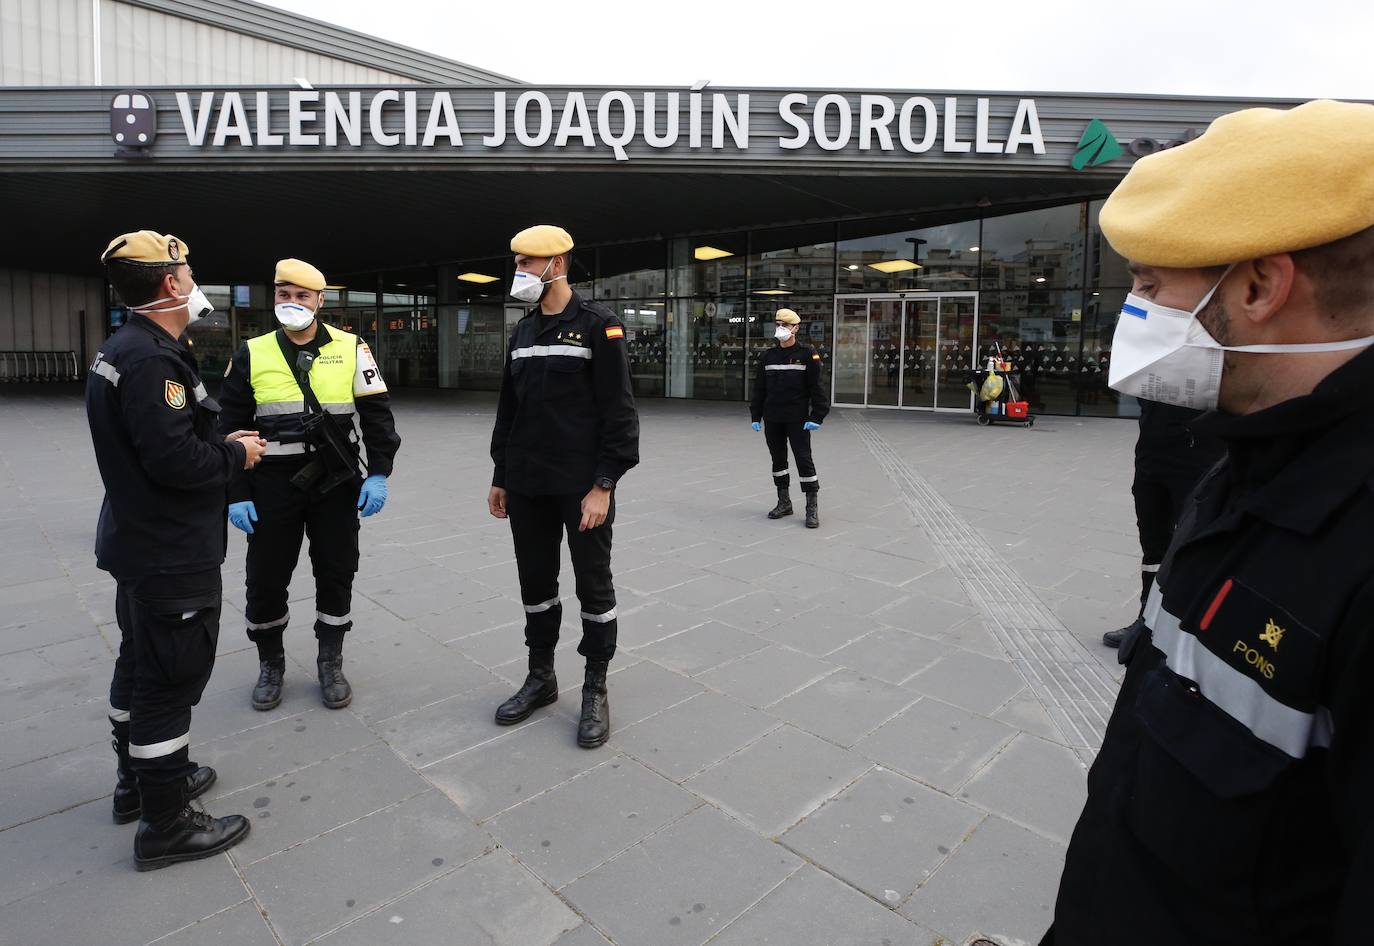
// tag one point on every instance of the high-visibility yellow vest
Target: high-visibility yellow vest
(279, 402)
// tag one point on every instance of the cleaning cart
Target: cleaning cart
(995, 397)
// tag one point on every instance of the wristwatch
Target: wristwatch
(605, 482)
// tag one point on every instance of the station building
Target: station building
(914, 230)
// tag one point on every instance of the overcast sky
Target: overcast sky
(1299, 49)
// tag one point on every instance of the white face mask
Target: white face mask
(196, 305)
(782, 333)
(293, 316)
(529, 288)
(1167, 355)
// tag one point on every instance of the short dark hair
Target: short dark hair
(1342, 274)
(137, 283)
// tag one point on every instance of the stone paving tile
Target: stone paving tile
(778, 780)
(1034, 783)
(54, 732)
(701, 648)
(636, 692)
(975, 682)
(306, 803)
(926, 614)
(284, 745)
(1024, 712)
(707, 592)
(411, 687)
(814, 908)
(241, 925)
(766, 676)
(1001, 882)
(939, 744)
(889, 654)
(844, 706)
(119, 907)
(819, 631)
(692, 735)
(551, 834)
(885, 834)
(676, 888)
(584, 935)
(443, 729)
(487, 902)
(327, 881)
(758, 611)
(56, 782)
(60, 848)
(516, 764)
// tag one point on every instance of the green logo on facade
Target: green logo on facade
(1097, 146)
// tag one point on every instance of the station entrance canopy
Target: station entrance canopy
(372, 178)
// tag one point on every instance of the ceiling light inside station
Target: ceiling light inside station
(894, 265)
(973, 249)
(705, 253)
(772, 292)
(477, 277)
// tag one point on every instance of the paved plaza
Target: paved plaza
(874, 733)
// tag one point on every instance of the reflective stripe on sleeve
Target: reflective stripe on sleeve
(1240, 697)
(544, 351)
(106, 371)
(784, 367)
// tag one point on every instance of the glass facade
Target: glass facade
(902, 309)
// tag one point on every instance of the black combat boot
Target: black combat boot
(813, 513)
(1114, 638)
(171, 831)
(539, 689)
(267, 693)
(127, 801)
(334, 686)
(784, 506)
(595, 726)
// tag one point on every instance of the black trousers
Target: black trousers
(778, 434)
(1159, 500)
(168, 630)
(537, 524)
(286, 514)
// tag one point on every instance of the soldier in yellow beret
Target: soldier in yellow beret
(566, 431)
(165, 469)
(1229, 802)
(788, 403)
(310, 388)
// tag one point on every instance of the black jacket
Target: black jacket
(164, 465)
(375, 419)
(1230, 803)
(1170, 446)
(566, 416)
(787, 386)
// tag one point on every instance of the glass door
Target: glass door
(848, 368)
(884, 352)
(919, 343)
(958, 334)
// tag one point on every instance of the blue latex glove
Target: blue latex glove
(372, 497)
(756, 425)
(811, 425)
(243, 515)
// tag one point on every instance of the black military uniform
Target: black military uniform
(1170, 458)
(162, 535)
(1230, 801)
(565, 422)
(288, 513)
(787, 393)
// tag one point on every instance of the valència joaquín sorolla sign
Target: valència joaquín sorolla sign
(610, 120)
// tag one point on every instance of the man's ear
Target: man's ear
(319, 303)
(1266, 283)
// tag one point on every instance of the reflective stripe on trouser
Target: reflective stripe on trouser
(537, 525)
(286, 516)
(1241, 697)
(778, 435)
(169, 629)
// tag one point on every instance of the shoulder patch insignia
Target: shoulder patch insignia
(615, 331)
(175, 394)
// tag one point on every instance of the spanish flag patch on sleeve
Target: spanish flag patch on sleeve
(615, 331)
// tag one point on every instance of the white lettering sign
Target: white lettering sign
(616, 121)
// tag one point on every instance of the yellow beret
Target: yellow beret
(788, 316)
(298, 273)
(542, 241)
(1259, 181)
(147, 247)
